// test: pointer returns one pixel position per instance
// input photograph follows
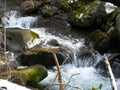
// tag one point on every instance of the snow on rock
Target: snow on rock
(6, 85)
(109, 7)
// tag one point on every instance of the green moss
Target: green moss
(96, 34)
(42, 50)
(30, 76)
(48, 12)
(65, 6)
(34, 35)
(35, 74)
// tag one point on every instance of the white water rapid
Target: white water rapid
(78, 75)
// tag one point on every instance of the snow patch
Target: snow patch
(109, 7)
(11, 86)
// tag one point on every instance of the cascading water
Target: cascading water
(80, 72)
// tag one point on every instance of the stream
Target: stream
(80, 73)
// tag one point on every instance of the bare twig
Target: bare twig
(55, 77)
(67, 85)
(64, 61)
(59, 72)
(70, 79)
(113, 83)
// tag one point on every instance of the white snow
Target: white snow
(11, 86)
(109, 7)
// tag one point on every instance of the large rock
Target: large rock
(92, 13)
(30, 75)
(18, 39)
(61, 5)
(100, 39)
(31, 6)
(52, 24)
(41, 56)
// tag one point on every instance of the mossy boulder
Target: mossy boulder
(18, 39)
(30, 75)
(62, 5)
(41, 56)
(48, 11)
(100, 39)
(93, 13)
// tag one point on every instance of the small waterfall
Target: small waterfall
(81, 69)
(13, 19)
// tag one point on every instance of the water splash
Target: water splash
(14, 19)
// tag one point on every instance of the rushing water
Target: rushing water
(80, 74)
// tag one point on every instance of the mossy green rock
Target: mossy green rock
(92, 13)
(83, 16)
(30, 76)
(100, 39)
(62, 5)
(48, 12)
(18, 39)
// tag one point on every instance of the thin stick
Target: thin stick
(112, 79)
(59, 72)
(70, 79)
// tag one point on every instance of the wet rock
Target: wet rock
(61, 5)
(100, 40)
(30, 75)
(41, 56)
(52, 24)
(30, 7)
(18, 39)
(48, 11)
(53, 42)
(114, 60)
(91, 14)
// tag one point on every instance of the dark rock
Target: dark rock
(62, 5)
(53, 42)
(48, 11)
(93, 13)
(40, 56)
(57, 24)
(28, 7)
(101, 40)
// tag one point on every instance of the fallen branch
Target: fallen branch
(78, 88)
(67, 84)
(112, 79)
(59, 72)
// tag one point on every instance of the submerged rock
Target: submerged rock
(18, 39)
(41, 56)
(30, 75)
